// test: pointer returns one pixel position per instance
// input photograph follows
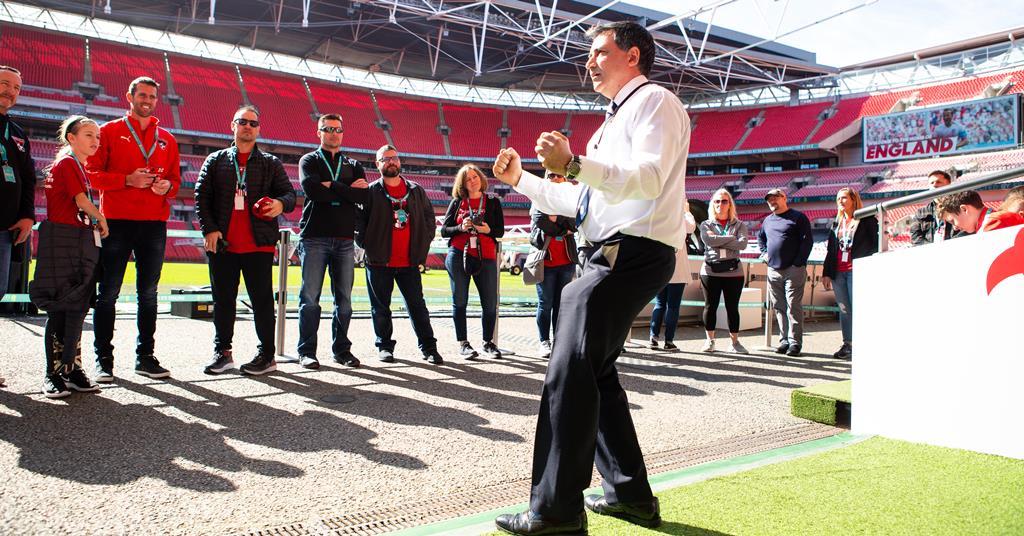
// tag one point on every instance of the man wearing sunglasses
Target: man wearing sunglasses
(137, 172)
(239, 195)
(333, 184)
(395, 228)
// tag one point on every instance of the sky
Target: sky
(882, 29)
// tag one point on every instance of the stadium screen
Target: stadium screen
(981, 125)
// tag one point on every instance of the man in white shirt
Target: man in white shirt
(628, 205)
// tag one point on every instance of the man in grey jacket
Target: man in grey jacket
(395, 228)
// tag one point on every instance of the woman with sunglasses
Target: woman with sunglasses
(473, 223)
(725, 236)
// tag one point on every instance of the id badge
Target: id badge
(97, 238)
(9, 174)
(239, 200)
(844, 256)
(472, 241)
(721, 253)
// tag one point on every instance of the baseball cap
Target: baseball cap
(774, 192)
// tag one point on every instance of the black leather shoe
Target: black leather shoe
(646, 514)
(530, 523)
(782, 348)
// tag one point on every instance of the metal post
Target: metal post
(768, 314)
(497, 303)
(883, 243)
(282, 287)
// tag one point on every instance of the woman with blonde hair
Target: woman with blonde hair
(848, 239)
(725, 236)
(473, 223)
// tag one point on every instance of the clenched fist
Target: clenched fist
(553, 151)
(508, 167)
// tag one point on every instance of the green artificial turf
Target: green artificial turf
(819, 403)
(877, 486)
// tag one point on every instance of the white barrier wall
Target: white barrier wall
(938, 359)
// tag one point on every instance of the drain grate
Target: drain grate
(469, 502)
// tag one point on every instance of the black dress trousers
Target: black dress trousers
(584, 415)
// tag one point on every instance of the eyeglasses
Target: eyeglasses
(721, 201)
(241, 121)
(388, 159)
(332, 130)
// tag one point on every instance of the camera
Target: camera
(477, 219)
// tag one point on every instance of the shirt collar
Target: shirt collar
(625, 91)
(153, 121)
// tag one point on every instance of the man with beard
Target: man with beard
(239, 195)
(395, 228)
(17, 187)
(137, 172)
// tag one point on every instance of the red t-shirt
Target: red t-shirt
(400, 237)
(240, 238)
(63, 183)
(558, 253)
(487, 245)
(1000, 220)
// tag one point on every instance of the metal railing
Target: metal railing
(880, 209)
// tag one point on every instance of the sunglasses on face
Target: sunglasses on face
(251, 122)
(332, 130)
(721, 201)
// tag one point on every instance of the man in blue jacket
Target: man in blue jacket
(786, 241)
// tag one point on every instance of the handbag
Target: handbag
(533, 269)
(720, 266)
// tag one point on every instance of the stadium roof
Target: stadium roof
(508, 44)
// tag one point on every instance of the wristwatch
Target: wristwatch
(572, 169)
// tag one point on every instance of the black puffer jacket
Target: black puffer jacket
(215, 192)
(65, 279)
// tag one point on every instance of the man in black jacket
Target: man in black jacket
(926, 227)
(395, 228)
(17, 186)
(333, 185)
(239, 195)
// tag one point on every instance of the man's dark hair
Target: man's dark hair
(629, 34)
(11, 69)
(950, 204)
(142, 80)
(247, 108)
(328, 117)
(942, 174)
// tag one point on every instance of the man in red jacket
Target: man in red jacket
(137, 173)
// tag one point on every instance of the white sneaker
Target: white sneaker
(545, 348)
(709, 346)
(738, 348)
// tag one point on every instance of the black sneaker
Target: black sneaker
(433, 357)
(794, 350)
(492, 350)
(54, 387)
(105, 369)
(78, 381)
(309, 362)
(669, 345)
(654, 343)
(347, 359)
(466, 351)
(148, 366)
(844, 352)
(385, 355)
(782, 348)
(222, 361)
(261, 364)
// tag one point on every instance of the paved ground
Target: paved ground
(215, 455)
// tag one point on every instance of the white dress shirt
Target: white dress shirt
(635, 165)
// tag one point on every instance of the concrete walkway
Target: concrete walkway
(227, 454)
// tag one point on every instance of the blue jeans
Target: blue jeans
(6, 244)
(336, 256)
(666, 309)
(380, 282)
(147, 240)
(549, 294)
(842, 285)
(486, 286)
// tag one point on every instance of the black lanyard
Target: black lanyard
(615, 109)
